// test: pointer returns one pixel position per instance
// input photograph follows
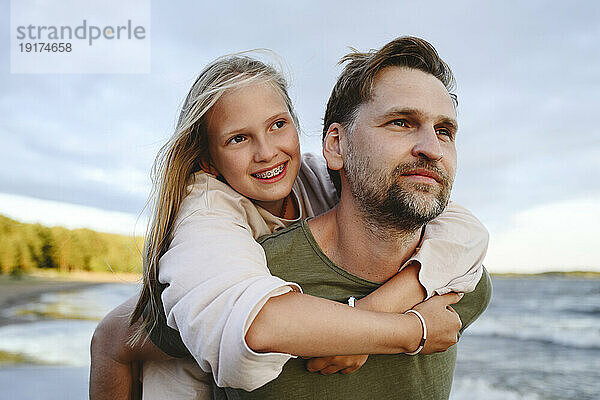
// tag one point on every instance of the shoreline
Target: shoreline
(549, 274)
(24, 289)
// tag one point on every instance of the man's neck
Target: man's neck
(360, 246)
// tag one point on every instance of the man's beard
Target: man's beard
(385, 203)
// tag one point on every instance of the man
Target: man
(389, 142)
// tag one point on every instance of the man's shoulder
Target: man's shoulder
(282, 236)
(292, 252)
(286, 246)
(475, 303)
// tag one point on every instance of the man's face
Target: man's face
(400, 155)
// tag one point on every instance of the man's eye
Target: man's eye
(236, 139)
(278, 125)
(400, 122)
(444, 132)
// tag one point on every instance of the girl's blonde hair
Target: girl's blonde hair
(182, 156)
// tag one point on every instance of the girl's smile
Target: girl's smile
(271, 175)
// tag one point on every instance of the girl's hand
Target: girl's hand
(332, 364)
(443, 323)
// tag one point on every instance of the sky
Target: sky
(77, 149)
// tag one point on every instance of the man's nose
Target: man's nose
(427, 144)
(265, 150)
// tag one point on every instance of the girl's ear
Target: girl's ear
(207, 166)
(332, 150)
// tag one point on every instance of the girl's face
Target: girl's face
(254, 144)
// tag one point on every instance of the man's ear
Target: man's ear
(332, 151)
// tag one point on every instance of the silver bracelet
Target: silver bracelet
(424, 338)
(351, 301)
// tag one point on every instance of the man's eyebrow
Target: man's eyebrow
(403, 112)
(450, 122)
(400, 112)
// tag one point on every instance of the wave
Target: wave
(575, 331)
(593, 312)
(470, 388)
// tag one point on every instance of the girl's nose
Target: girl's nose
(265, 151)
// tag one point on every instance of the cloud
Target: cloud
(560, 236)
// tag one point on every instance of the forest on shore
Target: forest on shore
(28, 247)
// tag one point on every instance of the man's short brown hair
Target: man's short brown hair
(355, 84)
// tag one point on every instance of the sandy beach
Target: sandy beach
(20, 290)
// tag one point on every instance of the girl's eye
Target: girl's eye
(278, 125)
(236, 139)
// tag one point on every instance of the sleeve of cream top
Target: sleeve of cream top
(452, 252)
(217, 282)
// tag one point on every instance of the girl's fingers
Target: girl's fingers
(317, 364)
(333, 364)
(332, 369)
(349, 370)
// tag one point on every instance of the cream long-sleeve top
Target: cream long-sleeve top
(217, 277)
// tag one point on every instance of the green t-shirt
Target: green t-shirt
(293, 255)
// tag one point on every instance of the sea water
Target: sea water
(539, 339)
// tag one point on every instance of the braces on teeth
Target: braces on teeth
(271, 173)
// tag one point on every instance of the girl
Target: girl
(232, 173)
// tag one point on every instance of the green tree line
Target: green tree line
(26, 247)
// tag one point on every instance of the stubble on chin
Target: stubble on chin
(388, 201)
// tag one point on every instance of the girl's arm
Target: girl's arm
(310, 326)
(399, 294)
